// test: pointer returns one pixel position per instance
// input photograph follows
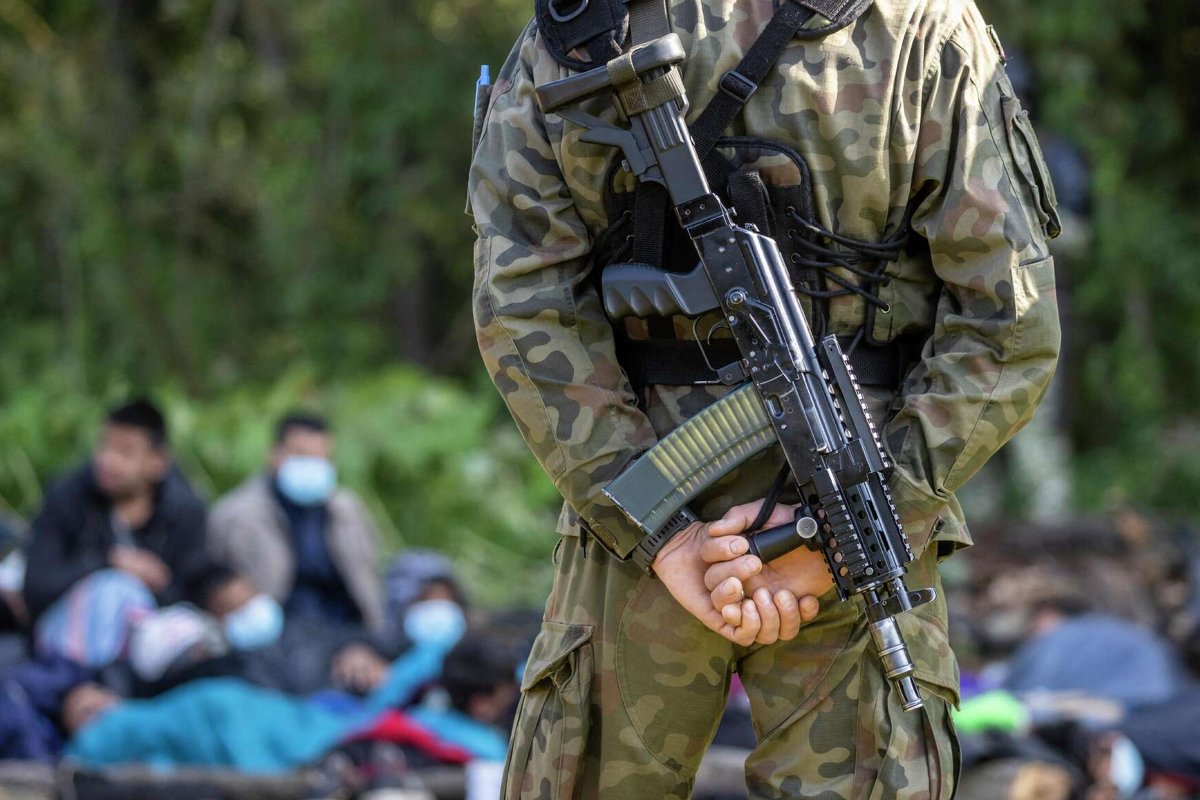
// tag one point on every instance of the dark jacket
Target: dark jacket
(73, 533)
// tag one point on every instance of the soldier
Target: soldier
(891, 160)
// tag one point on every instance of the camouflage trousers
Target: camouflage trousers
(624, 689)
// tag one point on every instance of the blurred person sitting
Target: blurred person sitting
(116, 536)
(299, 537)
(417, 576)
(298, 656)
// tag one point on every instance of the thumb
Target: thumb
(736, 520)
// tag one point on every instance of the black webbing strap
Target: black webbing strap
(676, 362)
(738, 85)
(651, 211)
(648, 21)
(748, 195)
(598, 26)
(673, 362)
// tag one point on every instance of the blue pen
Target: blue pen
(485, 80)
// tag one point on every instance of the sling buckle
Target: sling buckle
(738, 86)
(568, 16)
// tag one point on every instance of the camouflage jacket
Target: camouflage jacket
(909, 104)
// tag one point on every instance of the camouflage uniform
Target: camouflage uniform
(624, 689)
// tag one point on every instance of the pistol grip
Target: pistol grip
(640, 290)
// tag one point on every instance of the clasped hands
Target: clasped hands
(708, 570)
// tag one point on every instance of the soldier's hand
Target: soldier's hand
(784, 592)
(681, 569)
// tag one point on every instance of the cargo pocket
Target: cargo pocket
(942, 751)
(549, 738)
(1028, 155)
(896, 749)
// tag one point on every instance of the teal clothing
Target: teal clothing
(229, 723)
(216, 723)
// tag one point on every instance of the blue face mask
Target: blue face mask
(306, 480)
(256, 624)
(1127, 770)
(436, 622)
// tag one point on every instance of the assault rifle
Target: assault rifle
(791, 390)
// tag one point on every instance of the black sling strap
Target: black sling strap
(738, 85)
(748, 195)
(648, 20)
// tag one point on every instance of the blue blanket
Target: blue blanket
(230, 723)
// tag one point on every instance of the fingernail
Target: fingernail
(731, 586)
(753, 564)
(739, 546)
(786, 601)
(762, 597)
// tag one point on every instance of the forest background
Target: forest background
(242, 207)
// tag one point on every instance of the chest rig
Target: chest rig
(643, 230)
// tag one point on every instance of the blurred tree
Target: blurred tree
(209, 191)
(210, 198)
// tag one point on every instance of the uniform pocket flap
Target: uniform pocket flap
(555, 642)
(929, 645)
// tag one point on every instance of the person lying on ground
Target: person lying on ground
(230, 723)
(127, 516)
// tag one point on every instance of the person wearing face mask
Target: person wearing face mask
(299, 657)
(298, 536)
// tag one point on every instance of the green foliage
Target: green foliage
(435, 464)
(245, 206)
(1118, 78)
(207, 192)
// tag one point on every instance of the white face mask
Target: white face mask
(256, 624)
(435, 622)
(306, 480)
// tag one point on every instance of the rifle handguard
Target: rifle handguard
(692, 458)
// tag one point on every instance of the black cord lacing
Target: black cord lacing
(605, 238)
(865, 260)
